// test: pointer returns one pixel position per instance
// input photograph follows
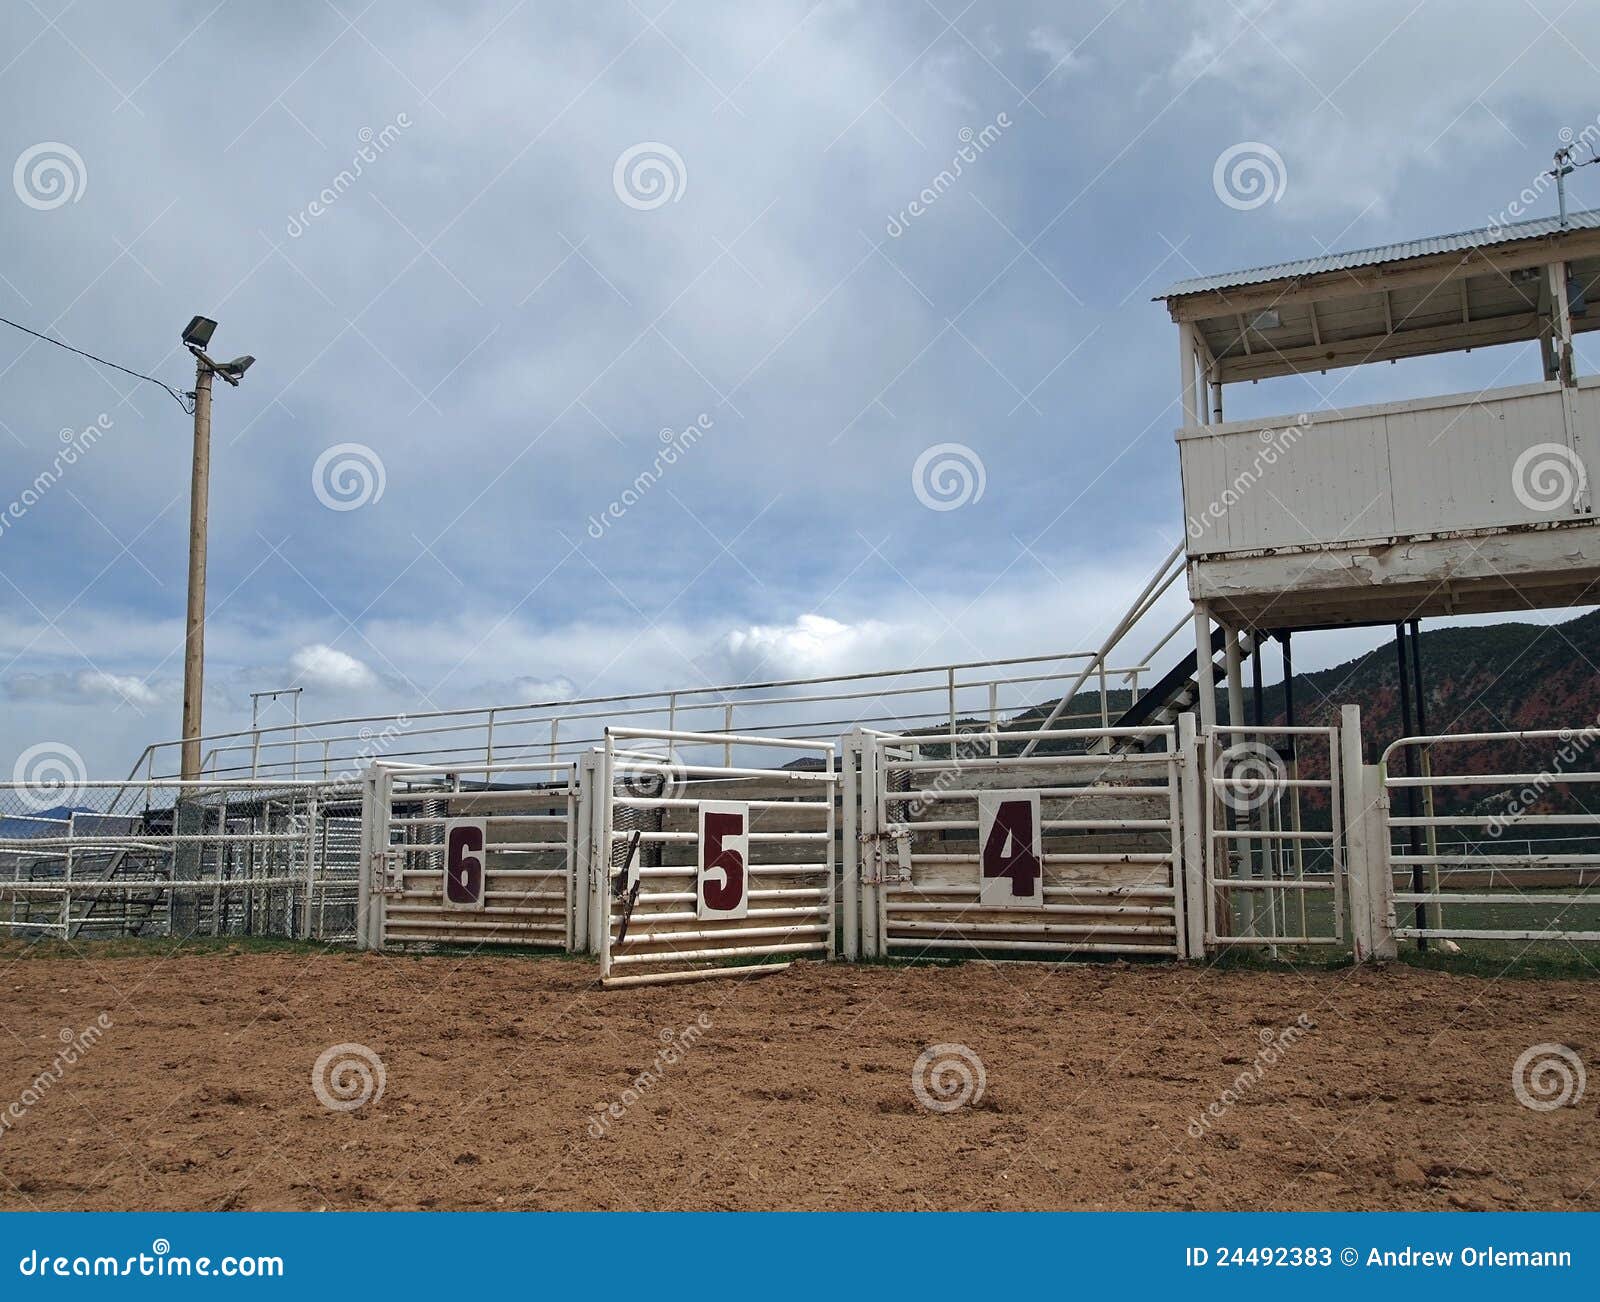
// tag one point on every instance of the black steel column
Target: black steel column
(1416, 675)
(1418, 877)
(1288, 686)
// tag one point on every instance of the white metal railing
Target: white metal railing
(1167, 573)
(898, 699)
(1478, 886)
(526, 817)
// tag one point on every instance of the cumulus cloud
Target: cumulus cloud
(324, 667)
(508, 337)
(809, 646)
(1061, 51)
(87, 687)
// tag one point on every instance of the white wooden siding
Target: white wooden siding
(1373, 473)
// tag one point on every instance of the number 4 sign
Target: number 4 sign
(1010, 859)
(722, 885)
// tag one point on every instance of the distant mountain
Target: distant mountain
(1494, 678)
(1509, 677)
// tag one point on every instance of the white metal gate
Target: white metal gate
(968, 846)
(1275, 862)
(469, 855)
(1504, 848)
(705, 868)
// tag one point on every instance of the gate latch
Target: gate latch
(900, 834)
(387, 877)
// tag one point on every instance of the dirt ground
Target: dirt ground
(1103, 1087)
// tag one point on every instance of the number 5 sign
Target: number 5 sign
(722, 883)
(464, 842)
(1010, 873)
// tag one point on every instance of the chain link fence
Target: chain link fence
(104, 859)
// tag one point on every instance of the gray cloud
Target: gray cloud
(474, 306)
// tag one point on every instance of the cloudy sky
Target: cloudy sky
(495, 259)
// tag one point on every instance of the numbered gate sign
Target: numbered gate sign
(465, 840)
(722, 884)
(1010, 856)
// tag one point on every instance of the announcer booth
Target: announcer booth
(1472, 502)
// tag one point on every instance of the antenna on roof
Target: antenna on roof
(1564, 168)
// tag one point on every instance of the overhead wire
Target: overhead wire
(184, 400)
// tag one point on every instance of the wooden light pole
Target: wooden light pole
(196, 336)
(194, 643)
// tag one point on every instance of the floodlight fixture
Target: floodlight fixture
(197, 334)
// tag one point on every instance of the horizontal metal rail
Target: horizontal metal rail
(285, 745)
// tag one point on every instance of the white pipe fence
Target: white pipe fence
(1155, 840)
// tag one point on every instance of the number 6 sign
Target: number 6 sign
(1010, 872)
(464, 842)
(722, 883)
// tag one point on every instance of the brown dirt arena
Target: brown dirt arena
(798, 1093)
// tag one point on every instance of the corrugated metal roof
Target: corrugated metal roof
(1487, 237)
